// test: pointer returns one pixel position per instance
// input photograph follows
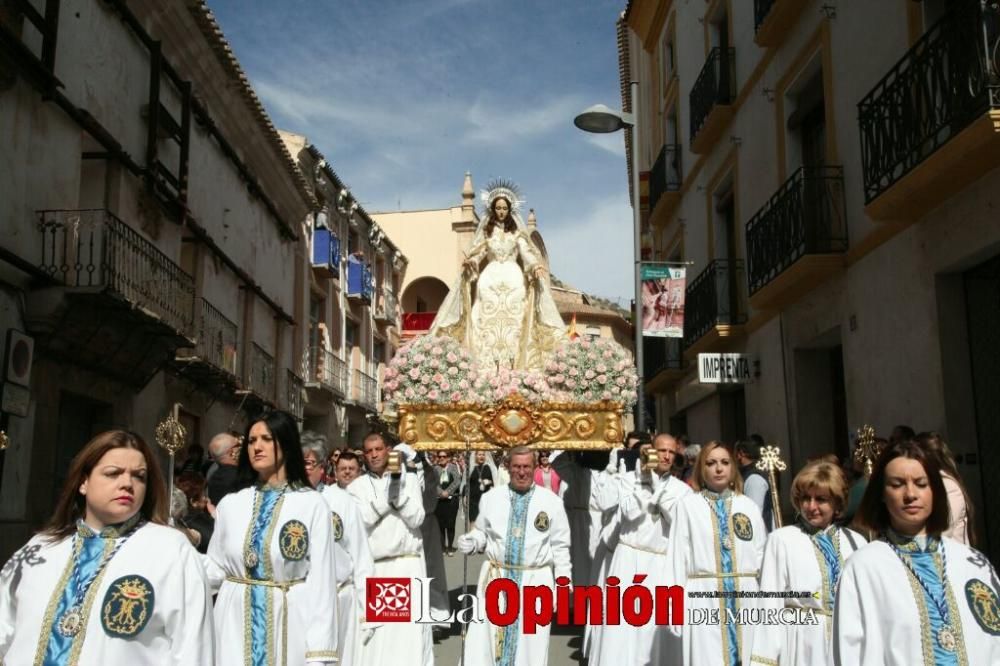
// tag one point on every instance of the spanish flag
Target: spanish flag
(573, 335)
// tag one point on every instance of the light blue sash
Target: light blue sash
(514, 555)
(87, 561)
(260, 595)
(728, 582)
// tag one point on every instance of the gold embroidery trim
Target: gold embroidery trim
(269, 599)
(754, 659)
(953, 613)
(50, 611)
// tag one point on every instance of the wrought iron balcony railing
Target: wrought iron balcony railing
(328, 369)
(805, 216)
(260, 372)
(761, 8)
(714, 299)
(666, 173)
(293, 401)
(661, 354)
(94, 249)
(365, 390)
(715, 85)
(947, 79)
(218, 339)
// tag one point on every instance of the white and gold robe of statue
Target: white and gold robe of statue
(397, 549)
(149, 605)
(526, 538)
(644, 515)
(354, 566)
(882, 615)
(798, 558)
(715, 547)
(606, 498)
(511, 318)
(282, 609)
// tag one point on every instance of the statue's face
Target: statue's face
(501, 209)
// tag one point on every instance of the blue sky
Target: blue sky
(403, 97)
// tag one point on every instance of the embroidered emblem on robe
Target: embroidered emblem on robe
(127, 607)
(294, 540)
(338, 527)
(742, 527)
(542, 521)
(984, 605)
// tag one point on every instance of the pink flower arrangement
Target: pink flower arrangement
(440, 370)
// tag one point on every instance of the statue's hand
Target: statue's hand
(470, 268)
(540, 273)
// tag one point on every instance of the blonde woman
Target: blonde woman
(717, 538)
(807, 557)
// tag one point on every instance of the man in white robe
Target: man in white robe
(524, 531)
(392, 510)
(607, 496)
(354, 566)
(647, 497)
(583, 509)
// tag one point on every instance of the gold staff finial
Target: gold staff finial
(770, 461)
(867, 449)
(171, 433)
(4, 440)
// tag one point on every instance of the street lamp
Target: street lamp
(599, 119)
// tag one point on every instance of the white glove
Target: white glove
(466, 543)
(613, 461)
(408, 451)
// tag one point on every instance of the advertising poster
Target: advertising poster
(663, 300)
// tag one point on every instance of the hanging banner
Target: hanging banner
(663, 300)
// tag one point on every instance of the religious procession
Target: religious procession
(724, 394)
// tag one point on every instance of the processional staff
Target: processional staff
(770, 461)
(867, 449)
(171, 435)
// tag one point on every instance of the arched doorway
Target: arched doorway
(420, 302)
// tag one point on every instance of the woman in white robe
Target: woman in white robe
(509, 318)
(272, 557)
(913, 596)
(107, 582)
(806, 557)
(717, 539)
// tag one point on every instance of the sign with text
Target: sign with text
(663, 289)
(725, 369)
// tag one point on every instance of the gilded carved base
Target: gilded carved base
(509, 423)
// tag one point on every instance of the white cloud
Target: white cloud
(613, 143)
(592, 252)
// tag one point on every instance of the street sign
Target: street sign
(725, 369)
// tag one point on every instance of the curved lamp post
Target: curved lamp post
(599, 119)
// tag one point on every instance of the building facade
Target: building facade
(831, 171)
(157, 243)
(353, 321)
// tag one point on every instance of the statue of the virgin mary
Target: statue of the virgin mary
(500, 307)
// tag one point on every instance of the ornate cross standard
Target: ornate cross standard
(867, 449)
(770, 461)
(171, 436)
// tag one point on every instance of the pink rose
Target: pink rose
(602, 379)
(452, 371)
(601, 368)
(438, 377)
(573, 372)
(464, 385)
(432, 394)
(456, 397)
(414, 373)
(452, 358)
(410, 393)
